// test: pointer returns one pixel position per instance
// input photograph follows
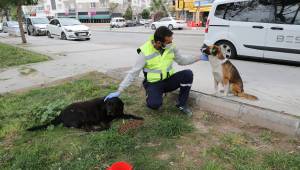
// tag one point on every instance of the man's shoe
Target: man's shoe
(185, 110)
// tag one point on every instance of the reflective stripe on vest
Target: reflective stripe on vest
(157, 71)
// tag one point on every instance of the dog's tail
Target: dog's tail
(247, 96)
(130, 116)
(54, 122)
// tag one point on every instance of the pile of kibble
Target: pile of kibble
(130, 125)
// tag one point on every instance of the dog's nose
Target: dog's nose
(204, 47)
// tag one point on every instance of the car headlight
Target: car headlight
(68, 30)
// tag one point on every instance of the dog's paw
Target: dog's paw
(217, 94)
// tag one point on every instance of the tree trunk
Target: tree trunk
(19, 16)
(6, 14)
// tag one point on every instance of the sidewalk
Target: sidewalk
(276, 86)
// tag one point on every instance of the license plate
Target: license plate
(82, 34)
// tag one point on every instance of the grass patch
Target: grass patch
(235, 152)
(13, 56)
(64, 148)
(167, 139)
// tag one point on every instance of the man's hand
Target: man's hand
(204, 57)
(112, 95)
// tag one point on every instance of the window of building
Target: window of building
(93, 4)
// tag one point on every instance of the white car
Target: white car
(117, 22)
(1, 27)
(169, 22)
(255, 28)
(68, 29)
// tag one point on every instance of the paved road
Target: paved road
(276, 86)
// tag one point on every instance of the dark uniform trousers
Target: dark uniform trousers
(154, 91)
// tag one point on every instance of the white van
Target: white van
(255, 28)
(117, 22)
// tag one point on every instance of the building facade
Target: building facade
(193, 10)
(85, 10)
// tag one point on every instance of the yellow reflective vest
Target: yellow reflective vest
(158, 67)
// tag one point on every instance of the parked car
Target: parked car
(1, 27)
(255, 28)
(130, 23)
(169, 22)
(36, 25)
(117, 22)
(11, 27)
(68, 29)
(142, 21)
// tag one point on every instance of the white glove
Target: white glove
(112, 95)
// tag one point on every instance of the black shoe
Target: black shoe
(185, 110)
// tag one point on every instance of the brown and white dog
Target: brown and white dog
(225, 72)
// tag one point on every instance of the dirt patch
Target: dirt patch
(163, 156)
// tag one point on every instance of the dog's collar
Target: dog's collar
(223, 61)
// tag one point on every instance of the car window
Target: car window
(40, 21)
(286, 12)
(246, 11)
(53, 22)
(68, 22)
(12, 23)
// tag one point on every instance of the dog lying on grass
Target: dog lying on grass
(91, 115)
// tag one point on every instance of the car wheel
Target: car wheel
(170, 27)
(63, 36)
(34, 33)
(180, 28)
(49, 35)
(88, 39)
(228, 49)
(153, 27)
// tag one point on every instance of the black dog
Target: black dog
(86, 115)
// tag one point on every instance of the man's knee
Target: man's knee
(154, 104)
(188, 75)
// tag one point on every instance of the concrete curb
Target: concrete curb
(267, 118)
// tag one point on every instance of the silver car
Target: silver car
(1, 27)
(36, 25)
(11, 27)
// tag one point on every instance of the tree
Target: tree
(158, 8)
(18, 4)
(113, 7)
(4, 10)
(128, 13)
(145, 14)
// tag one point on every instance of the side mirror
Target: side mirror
(58, 25)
